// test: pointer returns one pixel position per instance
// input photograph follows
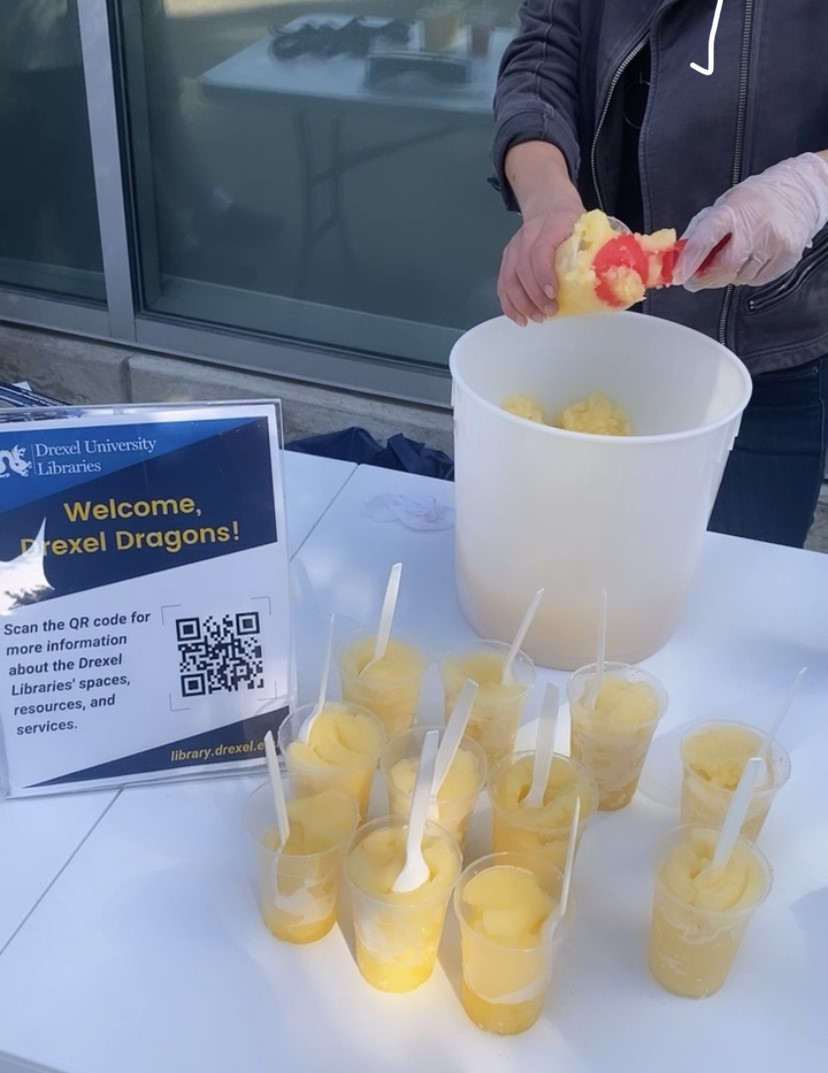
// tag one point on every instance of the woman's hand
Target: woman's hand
(550, 205)
(757, 230)
(527, 284)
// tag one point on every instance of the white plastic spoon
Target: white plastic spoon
(793, 689)
(600, 654)
(415, 871)
(544, 746)
(736, 813)
(569, 864)
(566, 882)
(307, 726)
(452, 735)
(279, 802)
(389, 605)
(523, 629)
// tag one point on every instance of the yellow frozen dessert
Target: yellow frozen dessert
(503, 910)
(498, 705)
(298, 883)
(600, 268)
(611, 731)
(524, 406)
(718, 754)
(713, 758)
(397, 934)
(596, 414)
(542, 830)
(457, 794)
(462, 778)
(342, 750)
(391, 687)
(700, 913)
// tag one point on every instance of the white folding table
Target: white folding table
(147, 952)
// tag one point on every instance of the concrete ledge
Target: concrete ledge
(307, 409)
(84, 371)
(63, 365)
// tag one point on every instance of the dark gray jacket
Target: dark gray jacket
(766, 100)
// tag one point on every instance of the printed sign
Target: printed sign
(144, 605)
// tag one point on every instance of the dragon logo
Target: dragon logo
(13, 462)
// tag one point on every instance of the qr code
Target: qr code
(219, 654)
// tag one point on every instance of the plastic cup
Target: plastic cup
(453, 813)
(390, 689)
(397, 935)
(705, 802)
(441, 25)
(297, 891)
(692, 947)
(613, 752)
(543, 832)
(497, 709)
(504, 984)
(309, 776)
(481, 20)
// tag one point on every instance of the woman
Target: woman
(597, 105)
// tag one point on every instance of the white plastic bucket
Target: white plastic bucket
(575, 513)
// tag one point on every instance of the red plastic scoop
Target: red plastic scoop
(623, 251)
(653, 267)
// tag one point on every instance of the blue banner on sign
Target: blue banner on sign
(200, 498)
(37, 463)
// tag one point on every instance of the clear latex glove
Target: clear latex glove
(757, 230)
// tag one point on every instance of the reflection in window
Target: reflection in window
(318, 170)
(49, 237)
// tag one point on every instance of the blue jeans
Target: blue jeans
(773, 476)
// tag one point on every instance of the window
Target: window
(316, 171)
(49, 237)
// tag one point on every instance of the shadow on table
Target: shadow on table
(811, 915)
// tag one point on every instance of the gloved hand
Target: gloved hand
(757, 230)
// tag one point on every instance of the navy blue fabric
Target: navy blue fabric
(349, 445)
(358, 445)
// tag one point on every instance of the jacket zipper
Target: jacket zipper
(616, 78)
(792, 281)
(747, 34)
